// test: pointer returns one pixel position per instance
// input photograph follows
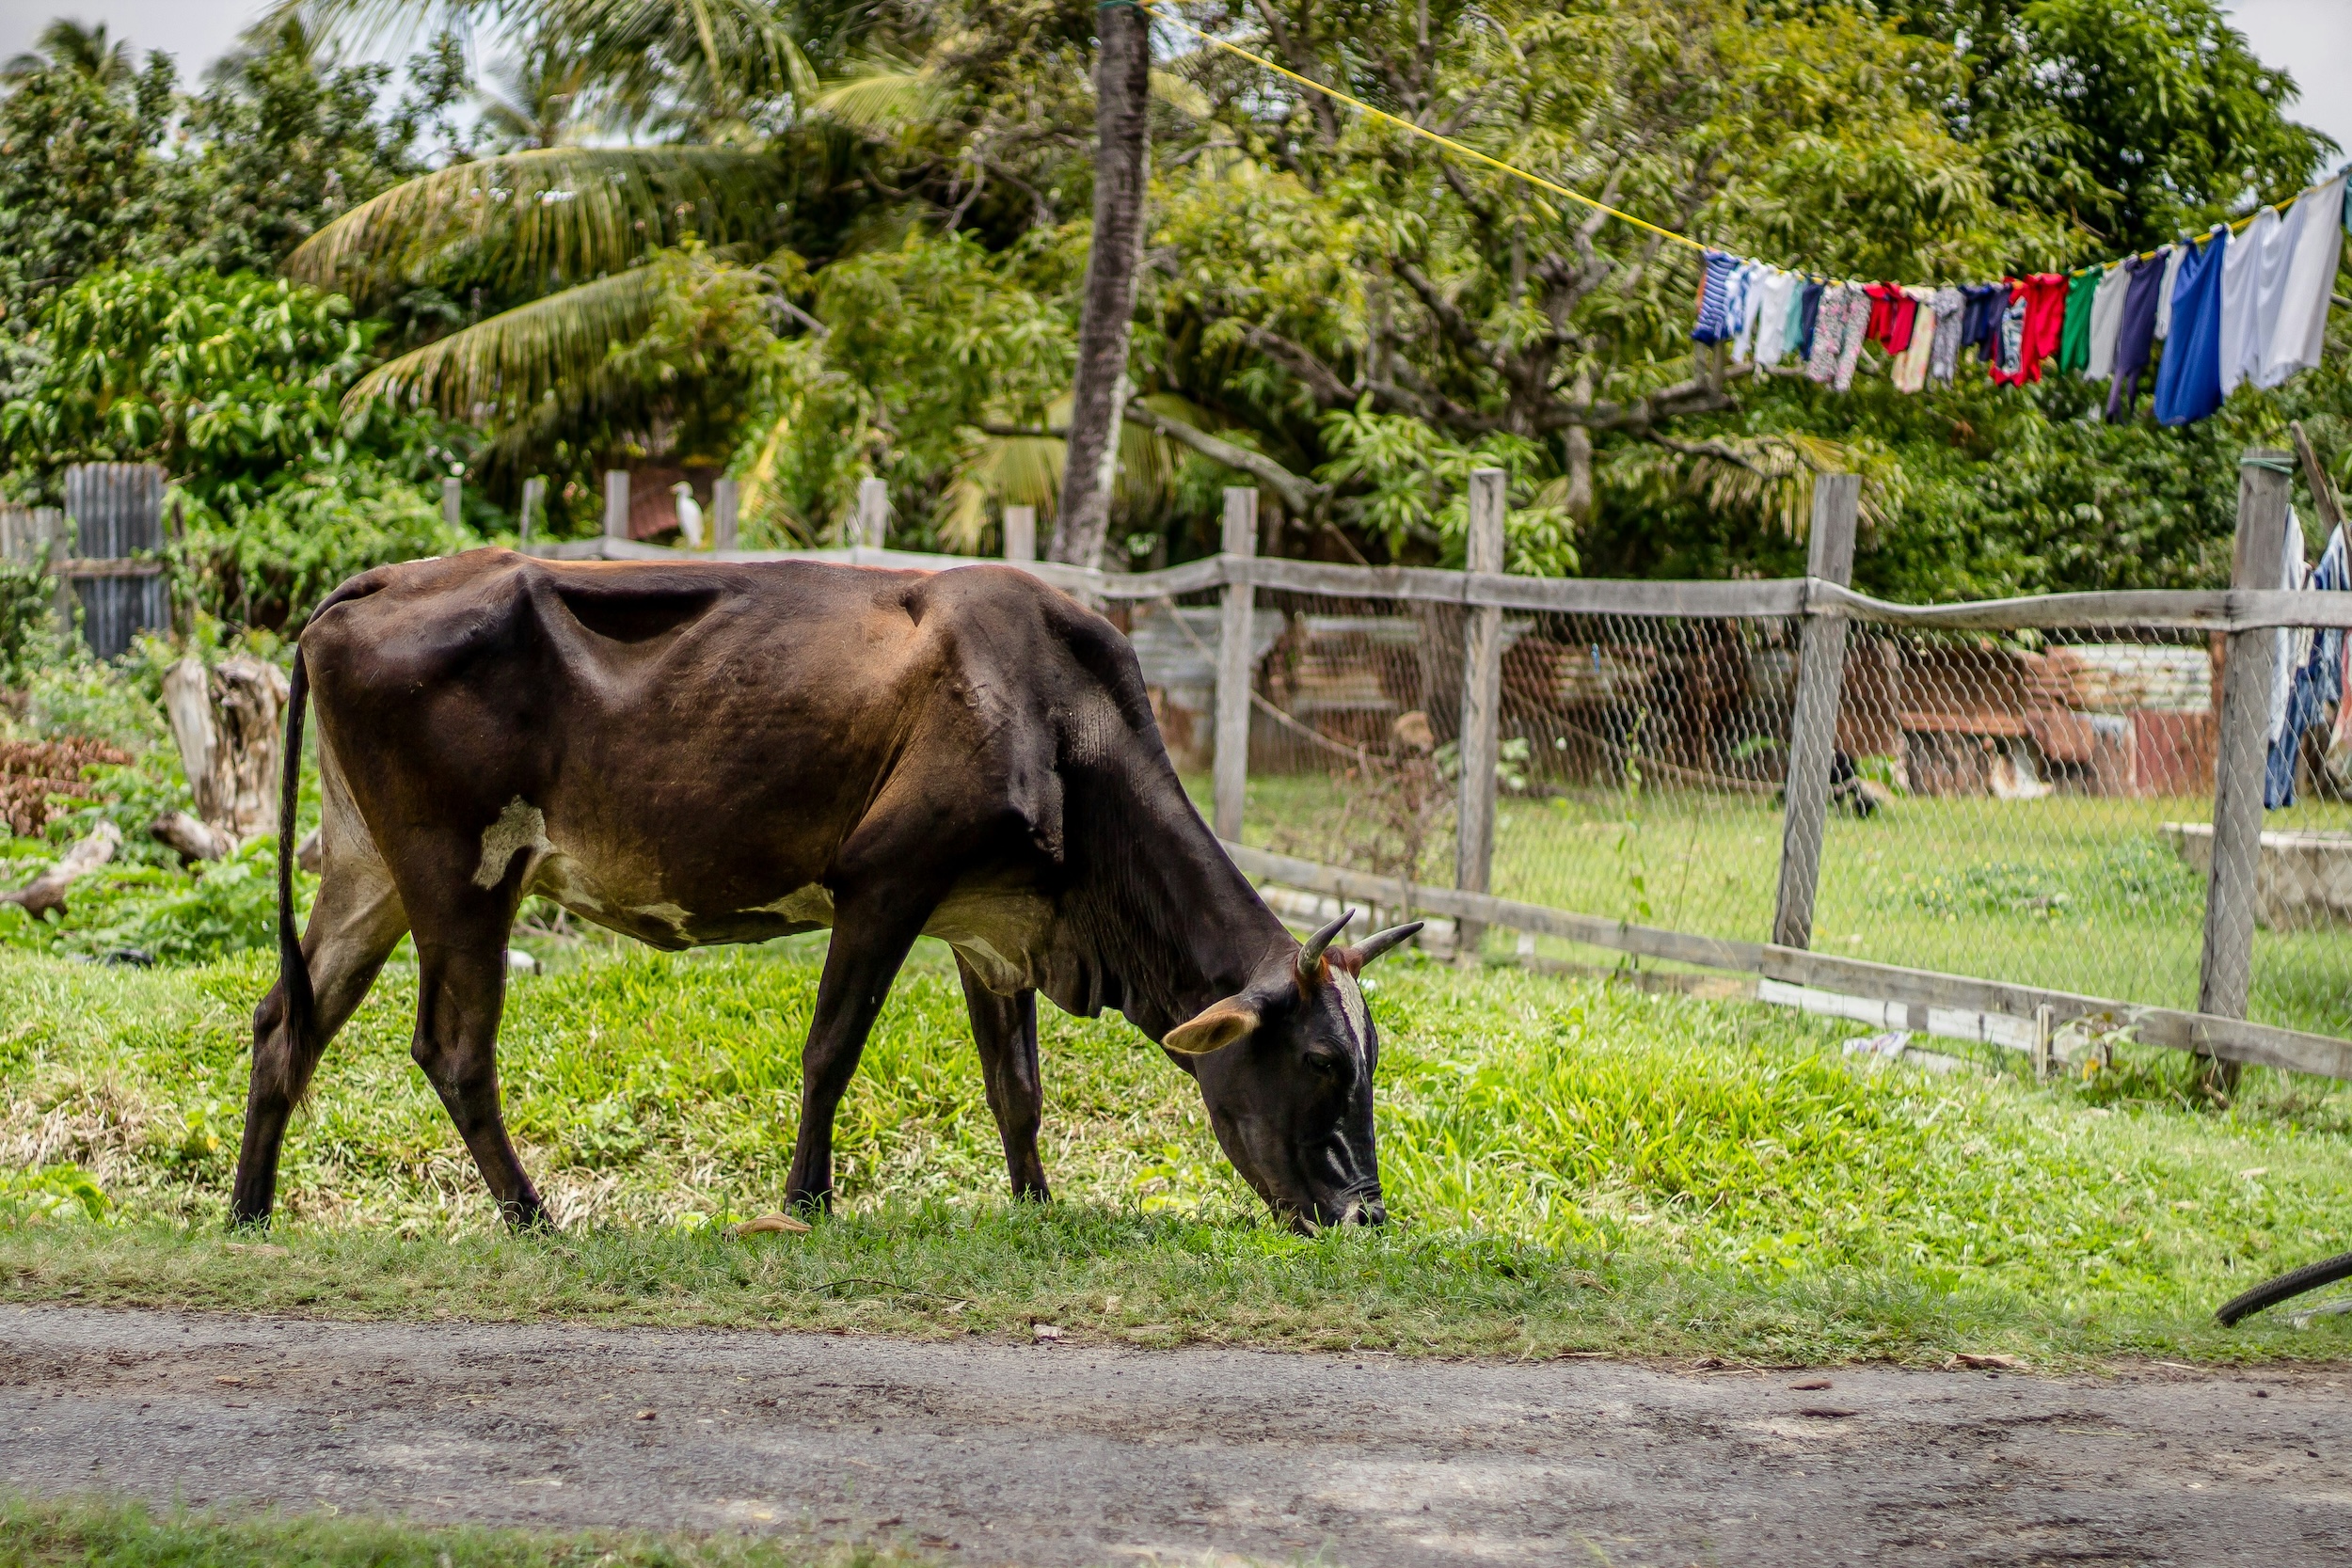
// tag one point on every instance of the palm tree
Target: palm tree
(539, 99)
(572, 222)
(69, 45)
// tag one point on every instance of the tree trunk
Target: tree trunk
(47, 891)
(1121, 159)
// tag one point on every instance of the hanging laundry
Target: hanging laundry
(1771, 323)
(2008, 344)
(2046, 322)
(1892, 312)
(1792, 331)
(2107, 323)
(1951, 306)
(1714, 323)
(1910, 371)
(2188, 382)
(2315, 682)
(1750, 290)
(1980, 327)
(1808, 318)
(1839, 331)
(2301, 333)
(2240, 298)
(2135, 333)
(2173, 256)
(2073, 353)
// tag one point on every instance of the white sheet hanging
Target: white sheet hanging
(2240, 298)
(2107, 323)
(2299, 333)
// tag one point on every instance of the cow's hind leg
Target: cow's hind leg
(355, 924)
(461, 991)
(1004, 1029)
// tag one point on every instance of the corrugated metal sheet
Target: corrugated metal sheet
(117, 511)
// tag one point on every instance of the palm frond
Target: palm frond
(562, 212)
(498, 370)
(885, 100)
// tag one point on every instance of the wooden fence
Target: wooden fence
(1824, 604)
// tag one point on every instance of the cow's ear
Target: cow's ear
(1218, 1025)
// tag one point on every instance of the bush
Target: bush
(159, 914)
(28, 633)
(269, 563)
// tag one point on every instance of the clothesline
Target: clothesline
(2239, 304)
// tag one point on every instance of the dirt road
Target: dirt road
(1070, 1454)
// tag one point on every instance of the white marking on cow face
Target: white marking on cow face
(521, 828)
(1352, 1006)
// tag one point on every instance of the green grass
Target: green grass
(99, 1533)
(1572, 1166)
(2070, 892)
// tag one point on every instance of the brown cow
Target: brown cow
(706, 752)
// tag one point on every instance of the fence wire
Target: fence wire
(2033, 807)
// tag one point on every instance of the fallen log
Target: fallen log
(195, 840)
(47, 892)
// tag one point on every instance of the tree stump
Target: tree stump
(228, 723)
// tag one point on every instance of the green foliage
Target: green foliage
(282, 142)
(28, 630)
(48, 1194)
(222, 380)
(79, 183)
(163, 915)
(267, 563)
(2134, 119)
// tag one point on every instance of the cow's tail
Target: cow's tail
(294, 974)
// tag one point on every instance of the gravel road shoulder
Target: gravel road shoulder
(1071, 1454)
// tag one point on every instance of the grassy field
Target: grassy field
(2070, 892)
(105, 1533)
(1572, 1167)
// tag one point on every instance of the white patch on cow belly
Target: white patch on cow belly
(521, 828)
(669, 914)
(997, 931)
(811, 905)
(1352, 1004)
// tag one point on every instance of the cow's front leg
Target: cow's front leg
(461, 990)
(869, 944)
(1004, 1029)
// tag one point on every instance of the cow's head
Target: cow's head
(1285, 1065)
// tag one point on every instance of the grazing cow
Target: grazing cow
(706, 752)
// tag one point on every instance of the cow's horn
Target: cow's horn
(1380, 942)
(1311, 956)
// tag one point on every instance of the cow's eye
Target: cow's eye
(1322, 1059)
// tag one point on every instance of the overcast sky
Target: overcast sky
(2313, 39)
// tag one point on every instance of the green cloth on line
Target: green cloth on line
(2074, 338)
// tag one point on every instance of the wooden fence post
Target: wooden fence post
(535, 504)
(1234, 668)
(616, 503)
(873, 513)
(1813, 726)
(1021, 533)
(1482, 711)
(2225, 970)
(727, 503)
(453, 501)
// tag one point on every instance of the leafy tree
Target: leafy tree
(225, 381)
(69, 46)
(79, 185)
(2134, 119)
(284, 140)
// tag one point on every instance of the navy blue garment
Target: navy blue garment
(1716, 324)
(1982, 306)
(2318, 684)
(2137, 339)
(1810, 317)
(2188, 382)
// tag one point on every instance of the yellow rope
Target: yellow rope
(1423, 132)
(1151, 7)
